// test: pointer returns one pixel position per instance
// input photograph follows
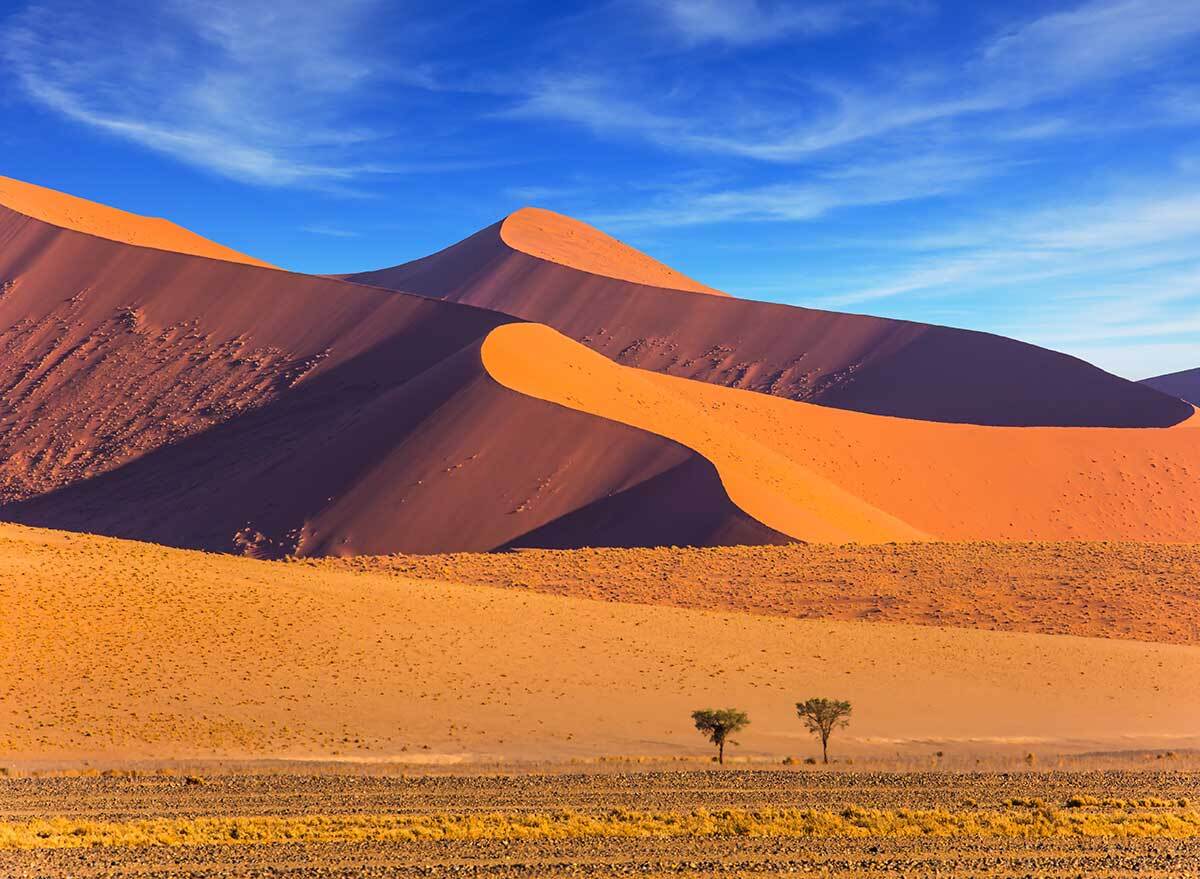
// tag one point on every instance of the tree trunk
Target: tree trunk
(721, 753)
(825, 749)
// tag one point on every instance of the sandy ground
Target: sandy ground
(1016, 795)
(81, 215)
(115, 651)
(1140, 591)
(822, 474)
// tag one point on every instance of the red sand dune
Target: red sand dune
(80, 215)
(1185, 385)
(846, 361)
(203, 403)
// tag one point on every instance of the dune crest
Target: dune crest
(828, 475)
(81, 215)
(537, 361)
(1185, 384)
(345, 419)
(555, 238)
(573, 283)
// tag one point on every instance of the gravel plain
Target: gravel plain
(152, 795)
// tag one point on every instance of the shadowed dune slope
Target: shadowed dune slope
(1185, 385)
(845, 361)
(823, 474)
(80, 215)
(207, 404)
(242, 658)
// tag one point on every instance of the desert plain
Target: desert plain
(423, 571)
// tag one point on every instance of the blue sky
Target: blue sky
(1031, 169)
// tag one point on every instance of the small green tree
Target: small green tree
(719, 724)
(821, 717)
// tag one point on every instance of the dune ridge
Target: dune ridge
(845, 361)
(1185, 384)
(540, 362)
(201, 403)
(555, 238)
(821, 474)
(91, 218)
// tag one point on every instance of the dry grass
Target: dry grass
(851, 822)
(1139, 591)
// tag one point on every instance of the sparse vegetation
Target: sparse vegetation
(821, 717)
(1045, 587)
(849, 822)
(719, 724)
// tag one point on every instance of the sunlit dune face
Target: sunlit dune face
(558, 239)
(81, 215)
(537, 361)
(827, 475)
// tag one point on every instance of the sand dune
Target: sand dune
(822, 474)
(201, 403)
(840, 360)
(1185, 385)
(80, 215)
(779, 492)
(554, 238)
(236, 657)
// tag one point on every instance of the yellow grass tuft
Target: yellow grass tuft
(851, 822)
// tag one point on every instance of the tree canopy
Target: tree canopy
(718, 724)
(822, 716)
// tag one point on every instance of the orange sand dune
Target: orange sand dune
(81, 215)
(558, 239)
(535, 360)
(965, 482)
(816, 473)
(113, 650)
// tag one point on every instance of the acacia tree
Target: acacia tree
(821, 717)
(718, 724)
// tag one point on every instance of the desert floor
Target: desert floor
(605, 823)
(114, 652)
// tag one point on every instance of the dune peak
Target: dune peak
(91, 218)
(557, 238)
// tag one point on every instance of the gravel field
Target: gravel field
(147, 796)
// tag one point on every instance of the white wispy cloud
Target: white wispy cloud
(1116, 281)
(742, 22)
(251, 91)
(328, 231)
(823, 190)
(791, 121)
(1121, 235)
